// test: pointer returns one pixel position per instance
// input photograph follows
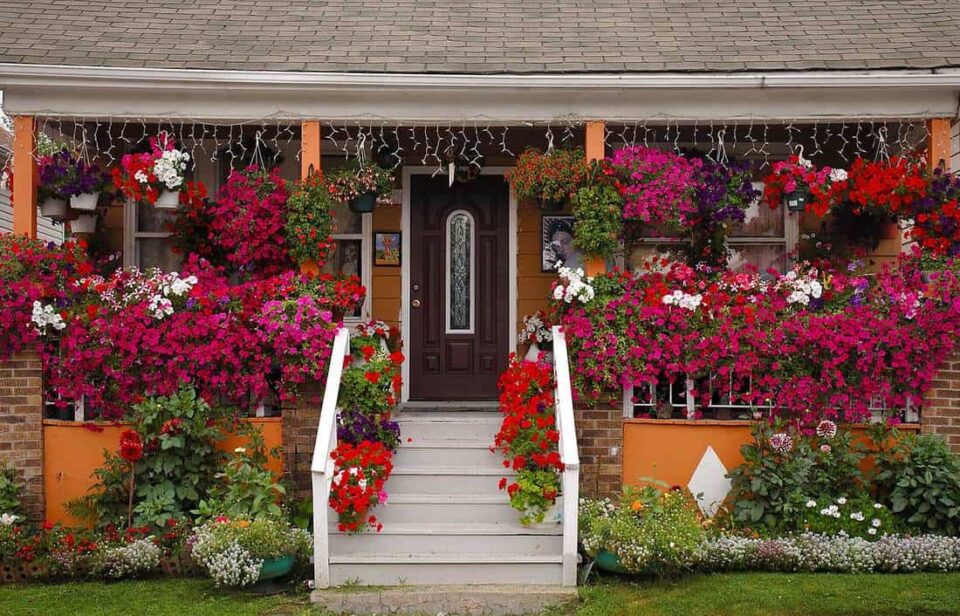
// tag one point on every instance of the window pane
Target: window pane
(345, 221)
(151, 219)
(157, 252)
(346, 261)
(639, 253)
(460, 238)
(760, 220)
(761, 256)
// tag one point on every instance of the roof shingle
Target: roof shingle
(477, 36)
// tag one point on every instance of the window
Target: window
(460, 272)
(147, 242)
(352, 256)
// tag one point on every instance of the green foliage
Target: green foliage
(598, 220)
(651, 532)
(770, 488)
(920, 479)
(309, 222)
(536, 492)
(858, 516)
(369, 386)
(9, 490)
(262, 538)
(245, 488)
(550, 177)
(106, 502)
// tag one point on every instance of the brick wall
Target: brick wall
(600, 438)
(941, 406)
(21, 427)
(299, 431)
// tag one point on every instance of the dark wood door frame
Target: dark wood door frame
(508, 329)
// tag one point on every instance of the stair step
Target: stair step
(443, 453)
(459, 529)
(396, 569)
(404, 469)
(429, 481)
(449, 559)
(449, 428)
(425, 540)
(447, 509)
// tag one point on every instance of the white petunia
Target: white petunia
(842, 500)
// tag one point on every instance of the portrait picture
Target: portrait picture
(557, 244)
(386, 249)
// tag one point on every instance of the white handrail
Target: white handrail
(569, 455)
(321, 467)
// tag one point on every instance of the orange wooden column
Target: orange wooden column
(938, 142)
(596, 150)
(25, 177)
(309, 162)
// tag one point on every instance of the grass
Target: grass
(743, 594)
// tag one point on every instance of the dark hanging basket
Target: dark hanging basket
(797, 200)
(364, 204)
(551, 205)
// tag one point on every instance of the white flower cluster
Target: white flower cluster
(170, 168)
(838, 175)
(127, 561)
(535, 330)
(7, 519)
(838, 553)
(573, 286)
(803, 289)
(683, 300)
(374, 328)
(44, 316)
(170, 285)
(232, 566)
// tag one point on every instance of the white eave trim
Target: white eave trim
(95, 76)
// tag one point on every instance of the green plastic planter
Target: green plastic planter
(608, 561)
(275, 567)
(364, 204)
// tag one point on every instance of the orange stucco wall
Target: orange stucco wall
(669, 451)
(71, 452)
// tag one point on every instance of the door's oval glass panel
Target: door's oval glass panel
(460, 271)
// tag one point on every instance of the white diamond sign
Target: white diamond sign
(709, 482)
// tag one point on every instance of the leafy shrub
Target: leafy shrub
(9, 490)
(856, 517)
(309, 222)
(650, 532)
(232, 551)
(920, 479)
(598, 220)
(372, 386)
(245, 488)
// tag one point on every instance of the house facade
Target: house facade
(448, 96)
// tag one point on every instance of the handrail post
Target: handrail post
(569, 454)
(321, 468)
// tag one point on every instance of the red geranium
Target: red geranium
(361, 472)
(131, 446)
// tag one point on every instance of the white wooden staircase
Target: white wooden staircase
(446, 522)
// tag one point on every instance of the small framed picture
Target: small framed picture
(556, 244)
(386, 249)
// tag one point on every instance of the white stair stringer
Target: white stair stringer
(446, 522)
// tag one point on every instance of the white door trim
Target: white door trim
(408, 172)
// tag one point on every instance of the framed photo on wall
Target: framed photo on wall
(386, 249)
(556, 244)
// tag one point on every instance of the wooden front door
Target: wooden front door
(459, 309)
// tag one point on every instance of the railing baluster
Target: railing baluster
(569, 454)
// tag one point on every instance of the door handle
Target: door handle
(415, 303)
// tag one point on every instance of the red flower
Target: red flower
(368, 352)
(373, 377)
(397, 357)
(131, 447)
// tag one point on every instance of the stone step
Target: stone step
(408, 568)
(441, 454)
(425, 539)
(475, 600)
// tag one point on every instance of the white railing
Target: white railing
(569, 455)
(322, 468)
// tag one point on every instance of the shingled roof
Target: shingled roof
(483, 36)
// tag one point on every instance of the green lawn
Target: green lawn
(741, 594)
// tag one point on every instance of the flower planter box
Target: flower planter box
(84, 223)
(168, 200)
(86, 202)
(53, 208)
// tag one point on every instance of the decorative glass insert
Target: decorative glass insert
(460, 271)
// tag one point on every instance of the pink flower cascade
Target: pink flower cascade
(220, 339)
(247, 221)
(814, 351)
(658, 187)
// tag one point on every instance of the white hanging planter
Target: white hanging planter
(84, 223)
(168, 200)
(532, 353)
(384, 347)
(86, 202)
(51, 207)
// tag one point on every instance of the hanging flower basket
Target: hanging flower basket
(797, 200)
(364, 204)
(85, 202)
(551, 205)
(53, 207)
(168, 200)
(84, 223)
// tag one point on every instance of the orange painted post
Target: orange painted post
(25, 177)
(596, 150)
(938, 143)
(309, 163)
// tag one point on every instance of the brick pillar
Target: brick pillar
(298, 426)
(941, 406)
(600, 438)
(21, 427)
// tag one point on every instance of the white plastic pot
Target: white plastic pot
(168, 200)
(87, 202)
(85, 223)
(532, 353)
(53, 208)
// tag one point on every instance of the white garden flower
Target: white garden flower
(44, 316)
(838, 175)
(872, 531)
(7, 519)
(856, 515)
(811, 504)
(842, 500)
(573, 286)
(160, 307)
(876, 522)
(170, 168)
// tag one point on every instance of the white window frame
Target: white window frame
(473, 268)
(366, 265)
(131, 234)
